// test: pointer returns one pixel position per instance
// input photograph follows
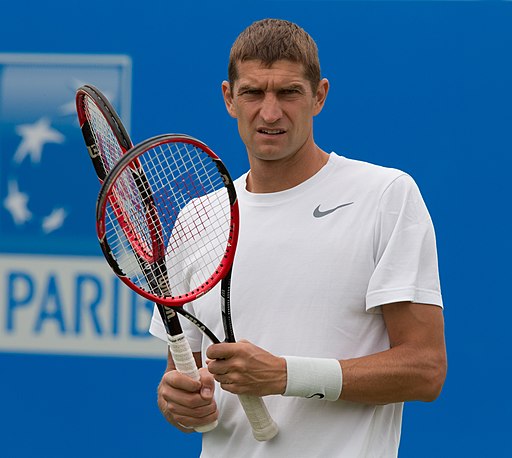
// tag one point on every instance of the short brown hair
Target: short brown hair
(270, 40)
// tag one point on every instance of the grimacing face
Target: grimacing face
(274, 107)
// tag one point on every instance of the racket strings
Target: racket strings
(104, 137)
(174, 214)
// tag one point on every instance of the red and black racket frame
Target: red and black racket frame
(112, 119)
(156, 259)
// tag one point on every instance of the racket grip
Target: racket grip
(263, 426)
(186, 364)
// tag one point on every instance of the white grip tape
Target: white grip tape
(186, 364)
(320, 378)
(182, 356)
(263, 427)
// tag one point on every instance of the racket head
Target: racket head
(104, 133)
(189, 221)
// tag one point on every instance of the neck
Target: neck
(279, 175)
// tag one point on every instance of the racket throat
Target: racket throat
(172, 325)
(225, 303)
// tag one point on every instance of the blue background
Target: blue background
(422, 86)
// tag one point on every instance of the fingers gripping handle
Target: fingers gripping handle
(186, 364)
(263, 427)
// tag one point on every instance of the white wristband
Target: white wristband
(320, 378)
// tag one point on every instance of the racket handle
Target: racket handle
(263, 427)
(186, 364)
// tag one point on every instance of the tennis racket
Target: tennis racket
(185, 226)
(107, 140)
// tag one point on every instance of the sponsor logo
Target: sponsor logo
(71, 305)
(317, 213)
(316, 395)
(57, 293)
(47, 183)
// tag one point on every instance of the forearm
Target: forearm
(402, 373)
(414, 368)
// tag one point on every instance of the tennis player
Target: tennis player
(335, 285)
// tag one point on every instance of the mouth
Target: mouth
(271, 131)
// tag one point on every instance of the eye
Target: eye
(290, 92)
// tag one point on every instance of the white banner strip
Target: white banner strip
(71, 305)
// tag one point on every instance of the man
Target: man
(335, 283)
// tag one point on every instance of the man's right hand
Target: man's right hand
(187, 403)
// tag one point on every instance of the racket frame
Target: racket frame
(126, 162)
(178, 345)
(111, 117)
(263, 426)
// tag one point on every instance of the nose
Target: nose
(270, 110)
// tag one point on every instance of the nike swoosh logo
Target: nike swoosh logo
(317, 213)
(316, 395)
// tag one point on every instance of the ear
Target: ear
(228, 98)
(321, 95)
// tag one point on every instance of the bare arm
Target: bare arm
(414, 368)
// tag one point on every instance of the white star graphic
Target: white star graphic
(35, 136)
(16, 204)
(54, 220)
(69, 108)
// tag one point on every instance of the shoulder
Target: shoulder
(369, 179)
(358, 169)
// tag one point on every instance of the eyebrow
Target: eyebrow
(245, 87)
(292, 86)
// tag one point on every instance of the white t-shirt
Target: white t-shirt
(312, 267)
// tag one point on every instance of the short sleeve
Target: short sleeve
(194, 335)
(405, 253)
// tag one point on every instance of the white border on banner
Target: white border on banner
(71, 305)
(122, 60)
